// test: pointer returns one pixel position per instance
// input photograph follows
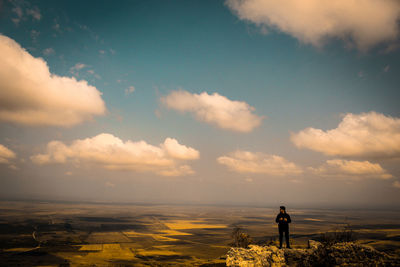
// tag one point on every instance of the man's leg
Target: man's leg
(280, 237)
(287, 238)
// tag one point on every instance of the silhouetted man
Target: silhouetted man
(283, 220)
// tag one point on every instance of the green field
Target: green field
(73, 234)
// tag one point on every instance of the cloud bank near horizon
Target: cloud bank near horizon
(249, 162)
(110, 152)
(363, 135)
(6, 156)
(362, 23)
(261, 163)
(215, 109)
(31, 95)
(357, 170)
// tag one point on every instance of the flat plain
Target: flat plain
(40, 233)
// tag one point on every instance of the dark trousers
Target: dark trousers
(286, 231)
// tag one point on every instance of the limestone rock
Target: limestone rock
(255, 256)
(339, 254)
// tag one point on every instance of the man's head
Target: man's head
(282, 209)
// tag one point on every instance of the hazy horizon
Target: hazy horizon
(290, 206)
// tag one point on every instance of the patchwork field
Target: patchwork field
(72, 234)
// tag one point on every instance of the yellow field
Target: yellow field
(191, 224)
(101, 254)
(157, 237)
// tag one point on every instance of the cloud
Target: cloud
(31, 95)
(249, 162)
(57, 26)
(109, 184)
(19, 13)
(364, 23)
(130, 90)
(351, 169)
(110, 152)
(358, 135)
(6, 155)
(20, 8)
(214, 109)
(34, 35)
(48, 51)
(178, 151)
(34, 12)
(396, 184)
(74, 70)
(92, 72)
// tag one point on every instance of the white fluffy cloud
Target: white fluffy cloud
(215, 109)
(178, 151)
(363, 22)
(31, 95)
(112, 153)
(351, 169)
(249, 162)
(6, 155)
(363, 135)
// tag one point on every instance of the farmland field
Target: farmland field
(84, 234)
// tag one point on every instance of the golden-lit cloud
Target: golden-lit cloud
(110, 152)
(6, 155)
(31, 95)
(249, 162)
(396, 184)
(363, 135)
(364, 23)
(215, 109)
(178, 151)
(351, 169)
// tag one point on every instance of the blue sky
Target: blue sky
(254, 84)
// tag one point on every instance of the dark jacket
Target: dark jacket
(282, 223)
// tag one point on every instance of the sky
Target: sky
(252, 102)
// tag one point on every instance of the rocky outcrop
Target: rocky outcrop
(255, 256)
(339, 254)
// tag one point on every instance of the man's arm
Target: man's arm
(288, 218)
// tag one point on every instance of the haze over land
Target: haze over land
(217, 102)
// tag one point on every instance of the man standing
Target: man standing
(283, 220)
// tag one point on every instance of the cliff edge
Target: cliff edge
(339, 254)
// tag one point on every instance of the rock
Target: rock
(255, 256)
(339, 254)
(314, 244)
